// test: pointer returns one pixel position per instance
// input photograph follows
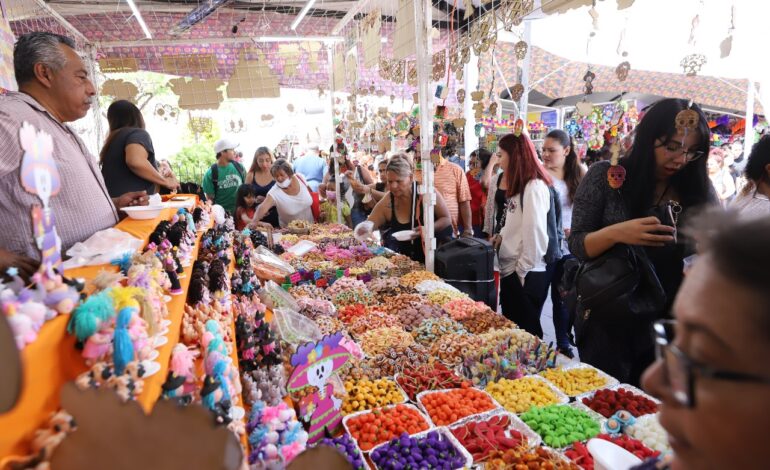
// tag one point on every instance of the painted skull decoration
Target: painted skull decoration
(686, 120)
(517, 91)
(621, 71)
(616, 175)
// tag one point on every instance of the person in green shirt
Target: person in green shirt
(221, 181)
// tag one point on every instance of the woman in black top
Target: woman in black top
(403, 202)
(666, 179)
(260, 178)
(128, 158)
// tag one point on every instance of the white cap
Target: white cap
(225, 144)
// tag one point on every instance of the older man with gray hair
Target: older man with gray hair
(54, 89)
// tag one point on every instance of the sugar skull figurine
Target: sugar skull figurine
(40, 176)
(314, 364)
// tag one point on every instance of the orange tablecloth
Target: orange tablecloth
(52, 359)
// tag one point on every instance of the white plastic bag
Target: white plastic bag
(101, 248)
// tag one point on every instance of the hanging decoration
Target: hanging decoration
(461, 95)
(439, 65)
(200, 125)
(520, 49)
(484, 33)
(517, 91)
(616, 174)
(726, 46)
(693, 62)
(167, 112)
(514, 11)
(236, 127)
(411, 77)
(588, 78)
(621, 71)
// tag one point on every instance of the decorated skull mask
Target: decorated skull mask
(616, 175)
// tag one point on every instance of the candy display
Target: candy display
(448, 406)
(648, 430)
(539, 458)
(432, 329)
(577, 380)
(484, 436)
(607, 402)
(380, 340)
(371, 428)
(450, 349)
(520, 395)
(415, 313)
(431, 450)
(484, 320)
(441, 297)
(433, 376)
(579, 454)
(368, 394)
(413, 278)
(561, 425)
(345, 445)
(372, 320)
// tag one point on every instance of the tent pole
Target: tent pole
(523, 105)
(422, 23)
(330, 60)
(748, 140)
(471, 75)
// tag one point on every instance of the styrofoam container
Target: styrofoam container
(142, 212)
(444, 433)
(609, 456)
(347, 418)
(533, 438)
(428, 392)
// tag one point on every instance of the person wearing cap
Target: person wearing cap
(221, 181)
(312, 167)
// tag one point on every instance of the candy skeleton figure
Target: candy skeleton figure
(40, 176)
(314, 364)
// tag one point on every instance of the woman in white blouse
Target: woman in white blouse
(523, 234)
(290, 196)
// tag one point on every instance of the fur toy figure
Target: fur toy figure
(125, 387)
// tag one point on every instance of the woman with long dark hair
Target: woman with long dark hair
(261, 179)
(665, 180)
(128, 157)
(561, 160)
(523, 235)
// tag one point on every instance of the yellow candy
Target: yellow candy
(522, 394)
(365, 394)
(575, 381)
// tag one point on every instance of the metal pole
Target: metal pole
(471, 75)
(748, 140)
(333, 153)
(422, 25)
(525, 73)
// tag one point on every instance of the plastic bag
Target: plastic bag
(101, 248)
(268, 266)
(274, 297)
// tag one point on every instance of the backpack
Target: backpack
(555, 230)
(215, 175)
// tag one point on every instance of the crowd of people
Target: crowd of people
(558, 226)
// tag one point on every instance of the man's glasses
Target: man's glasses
(681, 371)
(674, 149)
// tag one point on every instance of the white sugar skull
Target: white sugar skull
(318, 374)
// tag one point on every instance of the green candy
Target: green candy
(561, 425)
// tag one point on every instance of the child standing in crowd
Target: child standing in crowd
(245, 205)
(329, 210)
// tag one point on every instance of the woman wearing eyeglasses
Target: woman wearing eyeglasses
(712, 375)
(665, 180)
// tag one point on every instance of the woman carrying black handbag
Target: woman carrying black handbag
(624, 232)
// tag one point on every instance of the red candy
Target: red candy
(349, 313)
(483, 439)
(607, 402)
(433, 376)
(580, 455)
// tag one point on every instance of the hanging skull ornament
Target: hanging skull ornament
(517, 92)
(621, 71)
(520, 50)
(692, 64)
(588, 78)
(461, 95)
(686, 121)
(616, 175)
(493, 108)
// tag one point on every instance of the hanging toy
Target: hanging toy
(616, 174)
(518, 127)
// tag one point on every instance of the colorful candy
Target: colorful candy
(576, 380)
(383, 424)
(434, 450)
(561, 425)
(486, 437)
(368, 394)
(520, 395)
(345, 445)
(379, 340)
(607, 402)
(447, 407)
(522, 459)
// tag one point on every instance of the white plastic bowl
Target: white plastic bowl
(143, 212)
(609, 456)
(405, 235)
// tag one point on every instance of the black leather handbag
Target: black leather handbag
(618, 287)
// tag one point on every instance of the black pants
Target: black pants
(523, 304)
(623, 351)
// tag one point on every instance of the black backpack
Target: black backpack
(555, 230)
(215, 175)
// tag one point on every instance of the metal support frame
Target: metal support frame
(422, 23)
(66, 24)
(330, 60)
(524, 103)
(471, 76)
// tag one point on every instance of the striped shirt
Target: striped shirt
(450, 181)
(82, 206)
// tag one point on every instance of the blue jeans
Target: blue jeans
(555, 272)
(357, 215)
